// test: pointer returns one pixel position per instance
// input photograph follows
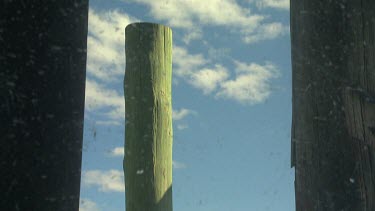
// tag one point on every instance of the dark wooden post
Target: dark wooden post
(148, 128)
(333, 142)
(42, 83)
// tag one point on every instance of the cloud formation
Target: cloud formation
(189, 14)
(192, 15)
(178, 165)
(182, 113)
(267, 31)
(105, 181)
(88, 205)
(182, 126)
(99, 97)
(106, 64)
(109, 122)
(275, 4)
(105, 44)
(186, 63)
(195, 70)
(117, 152)
(251, 84)
(195, 34)
(207, 79)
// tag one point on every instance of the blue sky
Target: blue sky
(231, 99)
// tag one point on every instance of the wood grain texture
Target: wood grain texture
(332, 55)
(148, 128)
(360, 119)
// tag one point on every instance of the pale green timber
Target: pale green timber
(148, 119)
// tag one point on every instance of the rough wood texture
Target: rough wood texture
(148, 127)
(360, 114)
(42, 96)
(332, 137)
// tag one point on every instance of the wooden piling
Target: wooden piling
(42, 95)
(333, 145)
(148, 119)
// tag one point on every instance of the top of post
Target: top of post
(144, 25)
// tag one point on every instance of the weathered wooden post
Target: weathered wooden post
(42, 94)
(333, 142)
(148, 127)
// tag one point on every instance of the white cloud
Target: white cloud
(88, 205)
(117, 152)
(178, 165)
(276, 4)
(106, 64)
(182, 113)
(106, 181)
(207, 79)
(217, 54)
(186, 63)
(192, 35)
(99, 97)
(267, 32)
(186, 13)
(192, 15)
(191, 69)
(251, 84)
(105, 44)
(109, 122)
(182, 126)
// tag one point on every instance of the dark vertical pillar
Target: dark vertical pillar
(42, 92)
(333, 84)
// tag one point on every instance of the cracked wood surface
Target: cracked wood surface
(148, 126)
(333, 104)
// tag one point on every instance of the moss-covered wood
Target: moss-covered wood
(333, 142)
(148, 119)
